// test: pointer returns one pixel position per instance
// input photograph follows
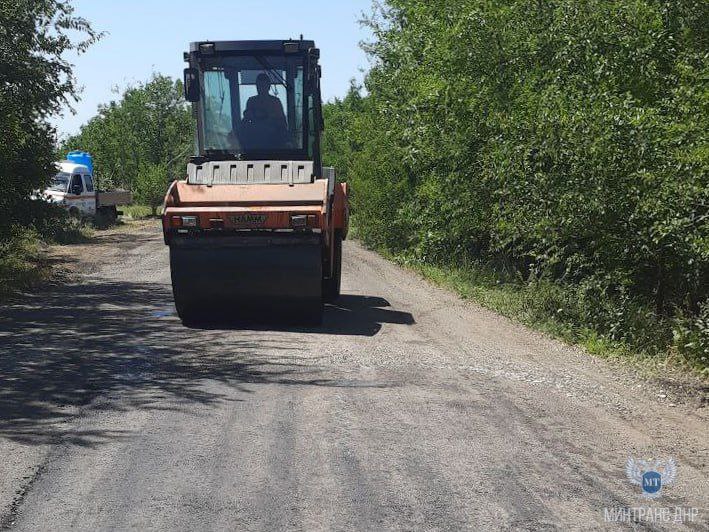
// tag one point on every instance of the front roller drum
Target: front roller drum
(250, 277)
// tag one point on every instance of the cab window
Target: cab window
(76, 187)
(89, 183)
(60, 182)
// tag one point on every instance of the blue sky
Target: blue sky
(150, 35)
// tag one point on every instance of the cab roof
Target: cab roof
(250, 46)
(73, 168)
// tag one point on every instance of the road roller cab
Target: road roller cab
(258, 223)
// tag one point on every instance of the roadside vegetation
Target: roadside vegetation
(20, 264)
(137, 211)
(138, 142)
(23, 263)
(35, 82)
(546, 158)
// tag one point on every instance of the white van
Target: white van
(73, 188)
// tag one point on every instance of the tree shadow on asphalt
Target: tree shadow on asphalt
(118, 346)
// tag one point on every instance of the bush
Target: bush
(691, 338)
(151, 186)
(19, 256)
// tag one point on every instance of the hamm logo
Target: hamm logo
(248, 220)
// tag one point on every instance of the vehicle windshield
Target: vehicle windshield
(253, 105)
(60, 182)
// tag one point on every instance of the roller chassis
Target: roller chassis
(256, 228)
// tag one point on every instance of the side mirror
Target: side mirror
(191, 82)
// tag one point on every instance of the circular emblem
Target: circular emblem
(652, 482)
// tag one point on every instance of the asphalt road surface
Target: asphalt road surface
(408, 409)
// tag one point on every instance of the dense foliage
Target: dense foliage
(35, 82)
(150, 186)
(552, 140)
(141, 140)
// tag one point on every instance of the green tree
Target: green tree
(150, 125)
(35, 82)
(559, 140)
(150, 185)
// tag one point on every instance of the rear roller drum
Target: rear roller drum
(186, 310)
(238, 278)
(312, 313)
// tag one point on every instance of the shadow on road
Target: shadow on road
(352, 315)
(76, 343)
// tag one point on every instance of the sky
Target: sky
(149, 36)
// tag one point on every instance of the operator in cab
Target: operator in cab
(264, 114)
